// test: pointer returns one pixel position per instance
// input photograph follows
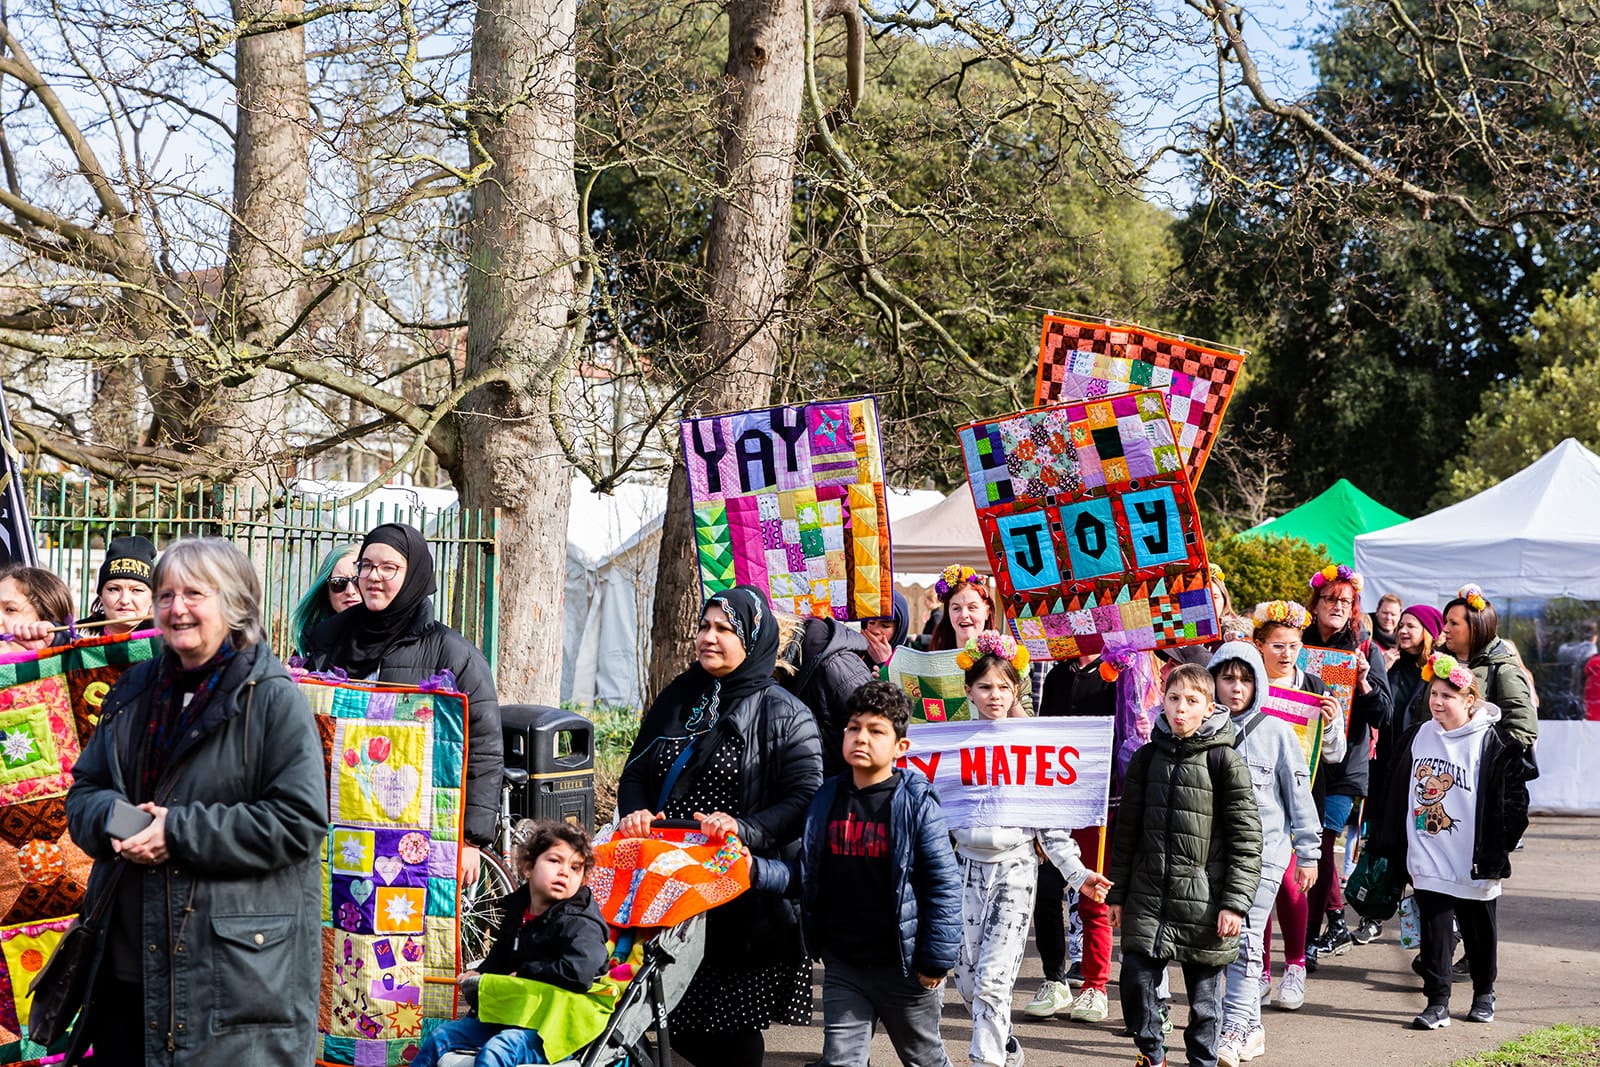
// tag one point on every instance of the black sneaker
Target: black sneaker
(1311, 958)
(1075, 973)
(1433, 1017)
(1461, 972)
(1336, 939)
(1482, 1009)
(1416, 964)
(1368, 932)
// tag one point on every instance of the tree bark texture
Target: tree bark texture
(747, 260)
(521, 290)
(262, 283)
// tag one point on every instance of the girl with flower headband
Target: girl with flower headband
(1457, 802)
(1341, 783)
(1277, 637)
(968, 608)
(1472, 635)
(999, 868)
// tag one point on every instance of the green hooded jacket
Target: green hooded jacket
(1187, 844)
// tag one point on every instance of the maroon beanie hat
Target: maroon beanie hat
(1428, 616)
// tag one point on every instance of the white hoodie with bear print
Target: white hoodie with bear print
(1442, 813)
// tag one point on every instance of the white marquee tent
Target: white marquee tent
(1534, 536)
(930, 540)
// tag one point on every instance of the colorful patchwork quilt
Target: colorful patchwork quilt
(1089, 360)
(666, 878)
(935, 682)
(389, 938)
(1302, 711)
(49, 707)
(1338, 671)
(791, 500)
(1090, 526)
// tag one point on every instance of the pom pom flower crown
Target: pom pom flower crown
(1339, 573)
(992, 643)
(1443, 667)
(1474, 597)
(1285, 611)
(952, 578)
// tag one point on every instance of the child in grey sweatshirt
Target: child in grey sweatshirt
(1289, 827)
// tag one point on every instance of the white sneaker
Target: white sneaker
(1052, 999)
(1266, 987)
(1292, 990)
(1091, 1007)
(1013, 1052)
(1231, 1047)
(1255, 1042)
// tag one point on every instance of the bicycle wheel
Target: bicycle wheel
(480, 911)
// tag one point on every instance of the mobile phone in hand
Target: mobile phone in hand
(126, 820)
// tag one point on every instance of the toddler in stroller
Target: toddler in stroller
(653, 892)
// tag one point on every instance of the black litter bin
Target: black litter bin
(556, 748)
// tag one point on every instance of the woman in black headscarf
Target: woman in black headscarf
(392, 636)
(725, 745)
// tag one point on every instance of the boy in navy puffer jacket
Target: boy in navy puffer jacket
(880, 895)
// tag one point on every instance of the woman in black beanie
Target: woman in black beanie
(122, 596)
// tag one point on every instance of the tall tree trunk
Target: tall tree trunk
(262, 283)
(747, 258)
(521, 290)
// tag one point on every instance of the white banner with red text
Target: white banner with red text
(1037, 774)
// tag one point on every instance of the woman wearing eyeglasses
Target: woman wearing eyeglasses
(208, 946)
(1335, 605)
(392, 636)
(333, 589)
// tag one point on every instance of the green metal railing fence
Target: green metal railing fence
(286, 535)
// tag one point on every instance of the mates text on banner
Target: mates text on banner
(1037, 774)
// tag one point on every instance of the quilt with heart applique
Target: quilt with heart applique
(396, 759)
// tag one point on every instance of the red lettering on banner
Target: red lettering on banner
(928, 765)
(1042, 769)
(1066, 765)
(999, 772)
(973, 769)
(1021, 753)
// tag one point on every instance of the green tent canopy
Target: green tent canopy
(1334, 519)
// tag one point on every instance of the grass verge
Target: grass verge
(1556, 1046)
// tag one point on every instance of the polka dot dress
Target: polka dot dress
(729, 994)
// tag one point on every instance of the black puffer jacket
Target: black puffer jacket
(565, 945)
(1500, 802)
(779, 774)
(832, 667)
(1187, 844)
(429, 647)
(1369, 712)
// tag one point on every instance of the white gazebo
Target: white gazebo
(1533, 537)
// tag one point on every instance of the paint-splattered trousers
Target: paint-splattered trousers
(996, 907)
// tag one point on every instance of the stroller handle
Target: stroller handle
(675, 824)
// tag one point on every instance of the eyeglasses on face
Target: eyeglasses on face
(168, 597)
(340, 583)
(385, 571)
(1284, 648)
(1342, 601)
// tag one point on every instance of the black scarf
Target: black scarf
(694, 700)
(357, 639)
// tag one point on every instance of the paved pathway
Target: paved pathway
(1358, 1005)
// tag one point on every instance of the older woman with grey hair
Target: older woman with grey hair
(209, 950)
